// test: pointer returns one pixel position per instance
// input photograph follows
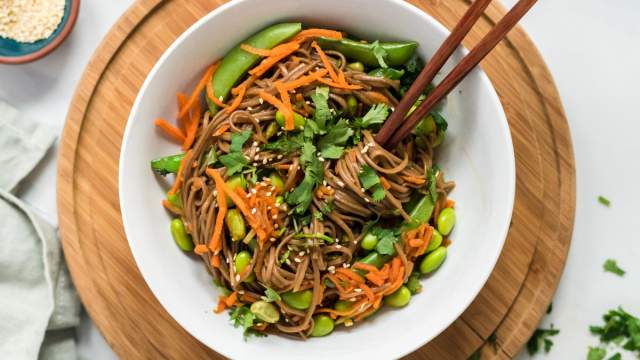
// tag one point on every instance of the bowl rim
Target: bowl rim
(59, 39)
(483, 78)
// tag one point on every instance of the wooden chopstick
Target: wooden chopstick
(429, 72)
(461, 70)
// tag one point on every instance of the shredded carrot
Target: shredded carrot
(170, 130)
(178, 182)
(286, 101)
(365, 267)
(375, 278)
(376, 304)
(237, 101)
(182, 121)
(426, 240)
(223, 190)
(309, 33)
(201, 249)
(385, 183)
(221, 305)
(167, 205)
(286, 111)
(216, 242)
(415, 242)
(231, 299)
(245, 84)
(221, 130)
(327, 63)
(192, 129)
(211, 96)
(368, 292)
(339, 86)
(282, 48)
(413, 179)
(215, 261)
(201, 85)
(270, 61)
(450, 203)
(353, 276)
(305, 80)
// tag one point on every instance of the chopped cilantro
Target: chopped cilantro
(596, 353)
(337, 135)
(612, 266)
(541, 337)
(619, 327)
(370, 180)
(321, 101)
(376, 115)
(212, 156)
(285, 144)
(284, 257)
(313, 174)
(270, 295)
(238, 140)
(332, 152)
(234, 161)
(243, 317)
(386, 239)
(604, 201)
(380, 53)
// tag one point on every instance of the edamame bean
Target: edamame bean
(343, 305)
(236, 225)
(300, 300)
(265, 311)
(436, 241)
(433, 260)
(243, 259)
(446, 221)
(276, 181)
(399, 298)
(369, 242)
(322, 326)
(272, 129)
(233, 183)
(352, 105)
(356, 66)
(180, 235)
(298, 120)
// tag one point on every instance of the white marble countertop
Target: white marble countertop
(590, 47)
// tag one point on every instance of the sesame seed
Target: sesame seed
(329, 187)
(215, 192)
(348, 322)
(254, 191)
(264, 161)
(240, 292)
(247, 157)
(308, 102)
(358, 290)
(345, 265)
(237, 277)
(272, 239)
(276, 226)
(254, 210)
(255, 164)
(367, 200)
(254, 144)
(261, 100)
(221, 98)
(321, 159)
(297, 260)
(248, 195)
(279, 157)
(340, 183)
(338, 246)
(301, 253)
(249, 108)
(324, 182)
(362, 189)
(258, 149)
(257, 157)
(274, 217)
(269, 193)
(352, 299)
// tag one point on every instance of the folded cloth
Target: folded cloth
(39, 307)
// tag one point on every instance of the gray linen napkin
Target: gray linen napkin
(39, 307)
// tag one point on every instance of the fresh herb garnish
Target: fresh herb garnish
(596, 353)
(270, 295)
(284, 257)
(370, 180)
(386, 239)
(327, 207)
(612, 266)
(619, 327)
(441, 122)
(338, 134)
(285, 144)
(313, 174)
(234, 161)
(380, 53)
(212, 156)
(243, 317)
(322, 112)
(332, 152)
(376, 115)
(604, 201)
(541, 338)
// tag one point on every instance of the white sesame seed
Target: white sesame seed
(345, 265)
(297, 260)
(308, 102)
(269, 193)
(272, 239)
(332, 269)
(254, 191)
(274, 217)
(321, 159)
(248, 195)
(240, 292)
(254, 210)
(338, 246)
(254, 144)
(362, 189)
(264, 161)
(249, 108)
(352, 299)
(261, 100)
(324, 182)
(349, 322)
(358, 290)
(247, 157)
(255, 164)
(258, 149)
(237, 277)
(367, 200)
(329, 187)
(215, 192)
(301, 253)
(279, 157)
(257, 157)
(221, 98)
(276, 226)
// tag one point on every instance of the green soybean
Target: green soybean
(433, 260)
(180, 235)
(237, 62)
(356, 66)
(369, 242)
(234, 182)
(298, 121)
(300, 300)
(276, 181)
(352, 105)
(243, 259)
(399, 298)
(322, 326)
(343, 305)
(436, 241)
(236, 225)
(272, 129)
(446, 221)
(265, 311)
(398, 53)
(279, 200)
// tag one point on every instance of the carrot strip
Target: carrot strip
(245, 84)
(201, 85)
(286, 101)
(278, 104)
(415, 243)
(201, 249)
(221, 130)
(427, 239)
(193, 126)
(178, 182)
(231, 299)
(224, 190)
(221, 305)
(215, 261)
(368, 292)
(450, 203)
(182, 121)
(378, 97)
(376, 304)
(350, 274)
(365, 313)
(256, 51)
(325, 60)
(237, 101)
(167, 205)
(375, 278)
(365, 267)
(309, 33)
(215, 244)
(305, 80)
(385, 183)
(339, 86)
(269, 62)
(170, 130)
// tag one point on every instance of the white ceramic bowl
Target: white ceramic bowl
(477, 154)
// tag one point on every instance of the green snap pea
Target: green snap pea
(265, 311)
(369, 242)
(276, 181)
(167, 165)
(272, 130)
(343, 305)
(399, 298)
(352, 105)
(398, 53)
(421, 212)
(436, 241)
(300, 300)
(233, 183)
(243, 259)
(446, 221)
(236, 225)
(175, 199)
(433, 260)
(298, 120)
(322, 325)
(180, 235)
(426, 126)
(440, 139)
(375, 259)
(356, 66)
(237, 62)
(389, 73)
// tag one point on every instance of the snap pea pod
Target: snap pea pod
(167, 165)
(389, 73)
(375, 259)
(398, 53)
(237, 61)
(421, 212)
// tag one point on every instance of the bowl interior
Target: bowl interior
(477, 154)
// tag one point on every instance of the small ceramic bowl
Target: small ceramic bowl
(14, 52)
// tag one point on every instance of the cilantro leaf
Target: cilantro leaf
(540, 338)
(243, 317)
(271, 295)
(370, 180)
(332, 152)
(616, 356)
(604, 201)
(234, 162)
(212, 156)
(238, 140)
(376, 115)
(619, 326)
(285, 144)
(313, 174)
(337, 135)
(308, 153)
(386, 239)
(596, 353)
(321, 101)
(380, 53)
(612, 266)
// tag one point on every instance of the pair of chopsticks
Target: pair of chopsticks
(396, 128)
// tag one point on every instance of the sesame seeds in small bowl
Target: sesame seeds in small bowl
(31, 29)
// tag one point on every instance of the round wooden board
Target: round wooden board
(131, 319)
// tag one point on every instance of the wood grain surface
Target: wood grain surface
(131, 319)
